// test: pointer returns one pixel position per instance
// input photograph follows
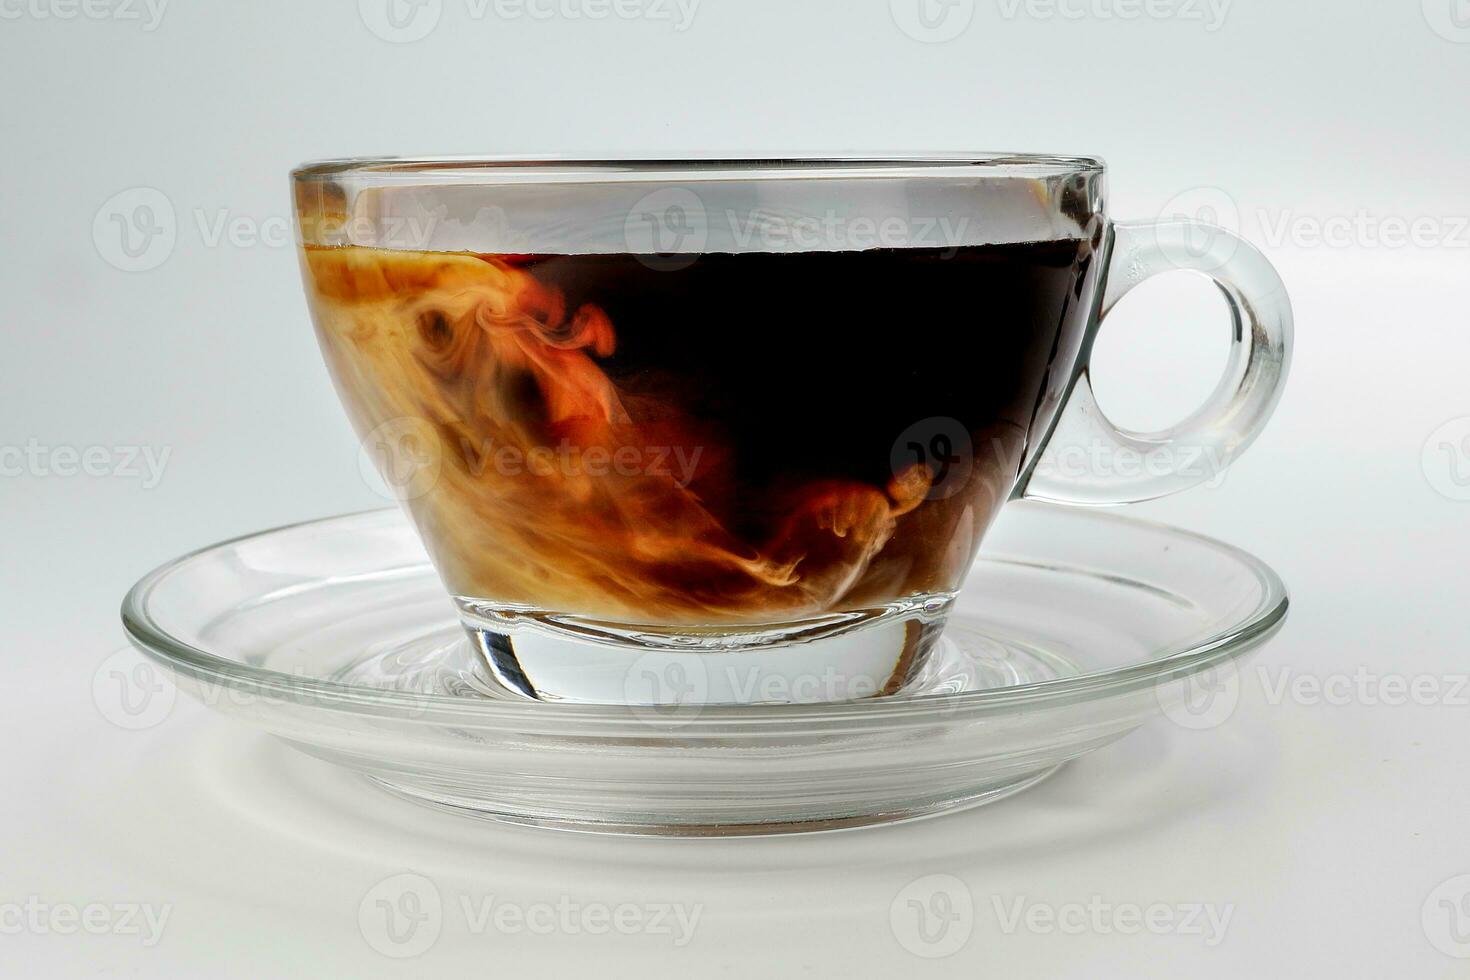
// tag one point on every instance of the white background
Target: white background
(1322, 829)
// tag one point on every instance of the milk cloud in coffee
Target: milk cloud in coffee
(728, 438)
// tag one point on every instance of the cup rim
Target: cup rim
(552, 168)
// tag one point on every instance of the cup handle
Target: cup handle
(1088, 460)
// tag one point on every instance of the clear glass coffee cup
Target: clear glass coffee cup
(692, 432)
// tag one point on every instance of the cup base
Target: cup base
(839, 657)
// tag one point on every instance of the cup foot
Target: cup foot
(839, 657)
(447, 662)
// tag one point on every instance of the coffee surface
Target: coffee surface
(720, 438)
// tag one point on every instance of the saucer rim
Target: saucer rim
(1244, 634)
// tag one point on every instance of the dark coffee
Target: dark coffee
(742, 438)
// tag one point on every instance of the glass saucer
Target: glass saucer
(1074, 628)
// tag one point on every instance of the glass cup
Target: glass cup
(691, 432)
